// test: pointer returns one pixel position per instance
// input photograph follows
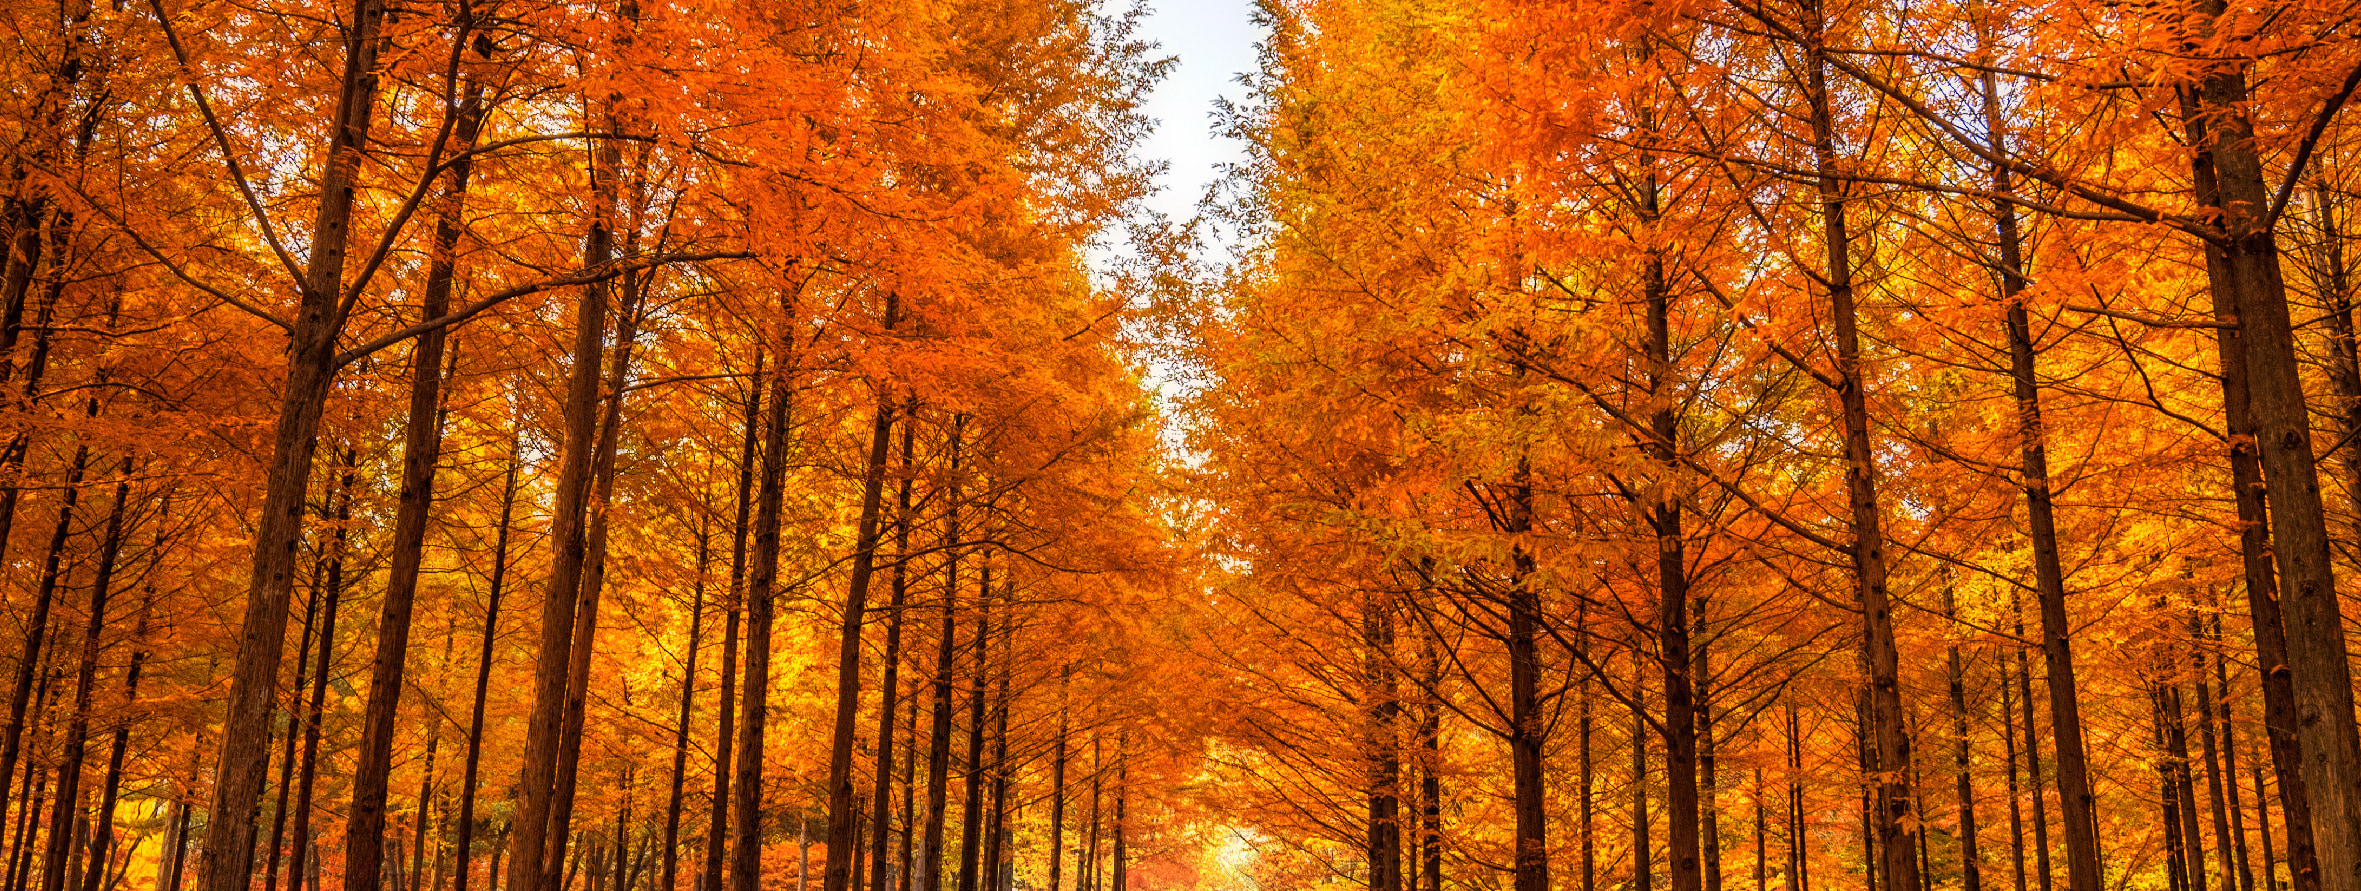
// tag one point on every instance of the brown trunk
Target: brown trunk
(1643, 850)
(717, 829)
(669, 872)
(422, 443)
(69, 767)
(37, 630)
(889, 682)
(2074, 788)
(110, 789)
(243, 764)
(1894, 816)
(938, 753)
(308, 774)
(837, 870)
(2217, 803)
(971, 838)
(2281, 707)
(1057, 788)
(2016, 810)
(761, 591)
(483, 677)
(1971, 860)
(1384, 831)
(1524, 685)
(2242, 264)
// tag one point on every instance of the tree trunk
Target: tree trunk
(1895, 817)
(308, 774)
(243, 762)
(1524, 672)
(483, 674)
(54, 875)
(422, 444)
(762, 589)
(889, 683)
(1971, 860)
(972, 804)
(842, 851)
(938, 753)
(668, 875)
(1384, 832)
(539, 846)
(717, 828)
(2243, 268)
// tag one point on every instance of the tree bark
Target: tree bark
(309, 773)
(2242, 266)
(938, 753)
(717, 830)
(422, 444)
(483, 674)
(761, 590)
(842, 850)
(889, 682)
(242, 765)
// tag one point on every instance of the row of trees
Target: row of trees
(1774, 443)
(546, 445)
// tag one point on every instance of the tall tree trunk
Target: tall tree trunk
(308, 774)
(422, 445)
(2016, 809)
(483, 674)
(594, 554)
(1382, 739)
(1057, 786)
(717, 830)
(1895, 816)
(2242, 265)
(2283, 710)
(1524, 673)
(842, 851)
(2074, 788)
(889, 682)
(1971, 860)
(110, 789)
(761, 591)
(1643, 848)
(670, 871)
(37, 631)
(54, 876)
(539, 846)
(243, 762)
(2033, 782)
(972, 804)
(938, 753)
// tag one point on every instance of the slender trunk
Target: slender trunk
(938, 753)
(1971, 860)
(2033, 782)
(539, 844)
(243, 762)
(2217, 802)
(1524, 672)
(717, 828)
(1057, 788)
(889, 682)
(842, 850)
(1895, 817)
(669, 874)
(422, 443)
(2016, 810)
(483, 675)
(2229, 736)
(1643, 848)
(294, 725)
(972, 804)
(110, 788)
(37, 631)
(2262, 812)
(761, 591)
(2074, 788)
(1384, 831)
(308, 774)
(68, 805)
(2242, 266)
(1430, 781)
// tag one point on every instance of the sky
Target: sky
(1215, 42)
